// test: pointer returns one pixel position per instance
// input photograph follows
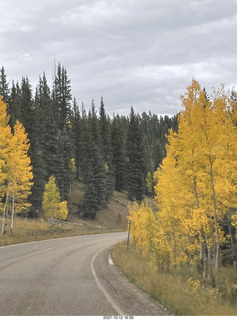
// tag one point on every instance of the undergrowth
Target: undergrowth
(177, 293)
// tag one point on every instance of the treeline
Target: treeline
(70, 143)
(196, 192)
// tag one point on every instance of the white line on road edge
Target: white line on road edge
(109, 299)
(110, 261)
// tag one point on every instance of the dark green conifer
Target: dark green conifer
(135, 166)
(118, 134)
(106, 148)
(4, 87)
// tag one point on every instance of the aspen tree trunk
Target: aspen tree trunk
(4, 213)
(204, 262)
(232, 243)
(195, 191)
(13, 211)
(216, 260)
(202, 246)
(208, 257)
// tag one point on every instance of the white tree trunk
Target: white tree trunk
(4, 213)
(13, 212)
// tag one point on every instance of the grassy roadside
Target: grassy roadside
(113, 218)
(171, 290)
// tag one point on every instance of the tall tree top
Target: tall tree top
(4, 89)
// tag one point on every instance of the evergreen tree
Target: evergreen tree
(4, 88)
(135, 166)
(95, 169)
(105, 134)
(118, 133)
(95, 195)
(27, 116)
(40, 137)
(13, 107)
(76, 136)
(61, 96)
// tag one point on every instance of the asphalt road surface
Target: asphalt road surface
(68, 276)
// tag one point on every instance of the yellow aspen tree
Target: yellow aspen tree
(5, 152)
(52, 206)
(172, 196)
(234, 109)
(191, 164)
(141, 226)
(198, 177)
(20, 174)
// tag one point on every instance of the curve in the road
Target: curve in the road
(68, 276)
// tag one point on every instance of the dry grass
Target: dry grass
(170, 290)
(111, 219)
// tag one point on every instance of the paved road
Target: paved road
(68, 276)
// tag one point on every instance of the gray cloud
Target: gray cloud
(141, 53)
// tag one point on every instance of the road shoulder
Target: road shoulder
(125, 294)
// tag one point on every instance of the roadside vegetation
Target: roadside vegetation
(113, 218)
(185, 252)
(174, 290)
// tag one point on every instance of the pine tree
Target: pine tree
(39, 137)
(105, 134)
(118, 152)
(14, 104)
(61, 101)
(27, 117)
(77, 136)
(95, 171)
(4, 88)
(135, 166)
(95, 192)
(61, 96)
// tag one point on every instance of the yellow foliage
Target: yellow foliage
(72, 165)
(52, 205)
(106, 167)
(142, 226)
(196, 183)
(194, 284)
(5, 146)
(62, 210)
(20, 169)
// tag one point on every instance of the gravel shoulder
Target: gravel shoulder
(129, 298)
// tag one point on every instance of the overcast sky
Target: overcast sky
(140, 53)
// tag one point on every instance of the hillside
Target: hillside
(111, 219)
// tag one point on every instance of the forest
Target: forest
(67, 143)
(187, 163)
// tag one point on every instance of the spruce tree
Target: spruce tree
(61, 96)
(135, 166)
(27, 116)
(94, 167)
(105, 134)
(40, 155)
(95, 195)
(13, 107)
(4, 88)
(118, 157)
